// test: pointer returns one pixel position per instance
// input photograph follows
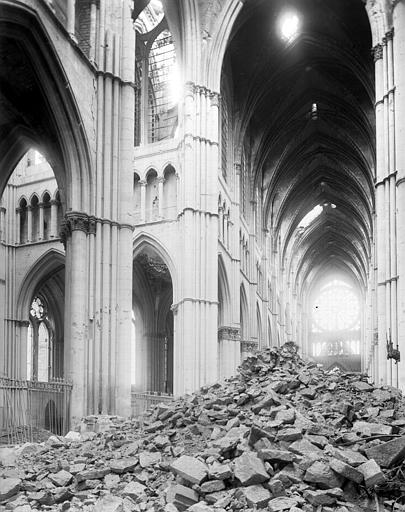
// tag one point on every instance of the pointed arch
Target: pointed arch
(51, 122)
(144, 240)
(49, 264)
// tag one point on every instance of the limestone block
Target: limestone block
(190, 468)
(61, 478)
(250, 470)
(276, 456)
(212, 486)
(280, 504)
(123, 465)
(134, 490)
(9, 487)
(147, 459)
(109, 503)
(322, 475)
(371, 429)
(184, 497)
(256, 495)
(389, 453)
(347, 471)
(372, 473)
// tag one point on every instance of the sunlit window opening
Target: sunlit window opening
(336, 308)
(289, 26)
(314, 213)
(311, 216)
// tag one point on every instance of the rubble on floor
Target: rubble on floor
(282, 435)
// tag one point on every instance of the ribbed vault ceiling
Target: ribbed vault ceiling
(300, 161)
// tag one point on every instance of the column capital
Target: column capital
(74, 221)
(54, 202)
(377, 52)
(3, 210)
(161, 179)
(143, 183)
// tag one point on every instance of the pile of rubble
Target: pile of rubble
(282, 435)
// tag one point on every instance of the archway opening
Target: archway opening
(153, 325)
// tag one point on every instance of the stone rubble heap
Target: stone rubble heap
(282, 435)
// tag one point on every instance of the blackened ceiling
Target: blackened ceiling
(301, 160)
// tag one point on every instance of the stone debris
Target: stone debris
(281, 435)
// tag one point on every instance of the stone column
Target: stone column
(399, 72)
(29, 223)
(54, 220)
(3, 223)
(74, 235)
(143, 184)
(41, 221)
(160, 181)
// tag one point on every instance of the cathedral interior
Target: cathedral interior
(186, 182)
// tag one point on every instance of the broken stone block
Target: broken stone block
(347, 471)
(362, 386)
(249, 469)
(123, 465)
(200, 507)
(257, 433)
(372, 473)
(304, 447)
(9, 487)
(220, 471)
(154, 427)
(322, 475)
(276, 456)
(286, 417)
(184, 497)
(350, 457)
(371, 429)
(212, 486)
(280, 504)
(289, 434)
(92, 474)
(276, 487)
(147, 459)
(256, 495)
(270, 399)
(326, 497)
(389, 453)
(61, 479)
(73, 436)
(190, 468)
(109, 503)
(134, 490)
(111, 480)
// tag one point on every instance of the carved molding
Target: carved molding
(377, 52)
(249, 346)
(229, 333)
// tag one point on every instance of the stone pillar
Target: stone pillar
(3, 223)
(399, 73)
(196, 308)
(54, 220)
(161, 181)
(74, 235)
(143, 184)
(41, 221)
(29, 224)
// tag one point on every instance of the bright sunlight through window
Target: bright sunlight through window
(336, 308)
(289, 25)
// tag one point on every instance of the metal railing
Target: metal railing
(140, 402)
(30, 410)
